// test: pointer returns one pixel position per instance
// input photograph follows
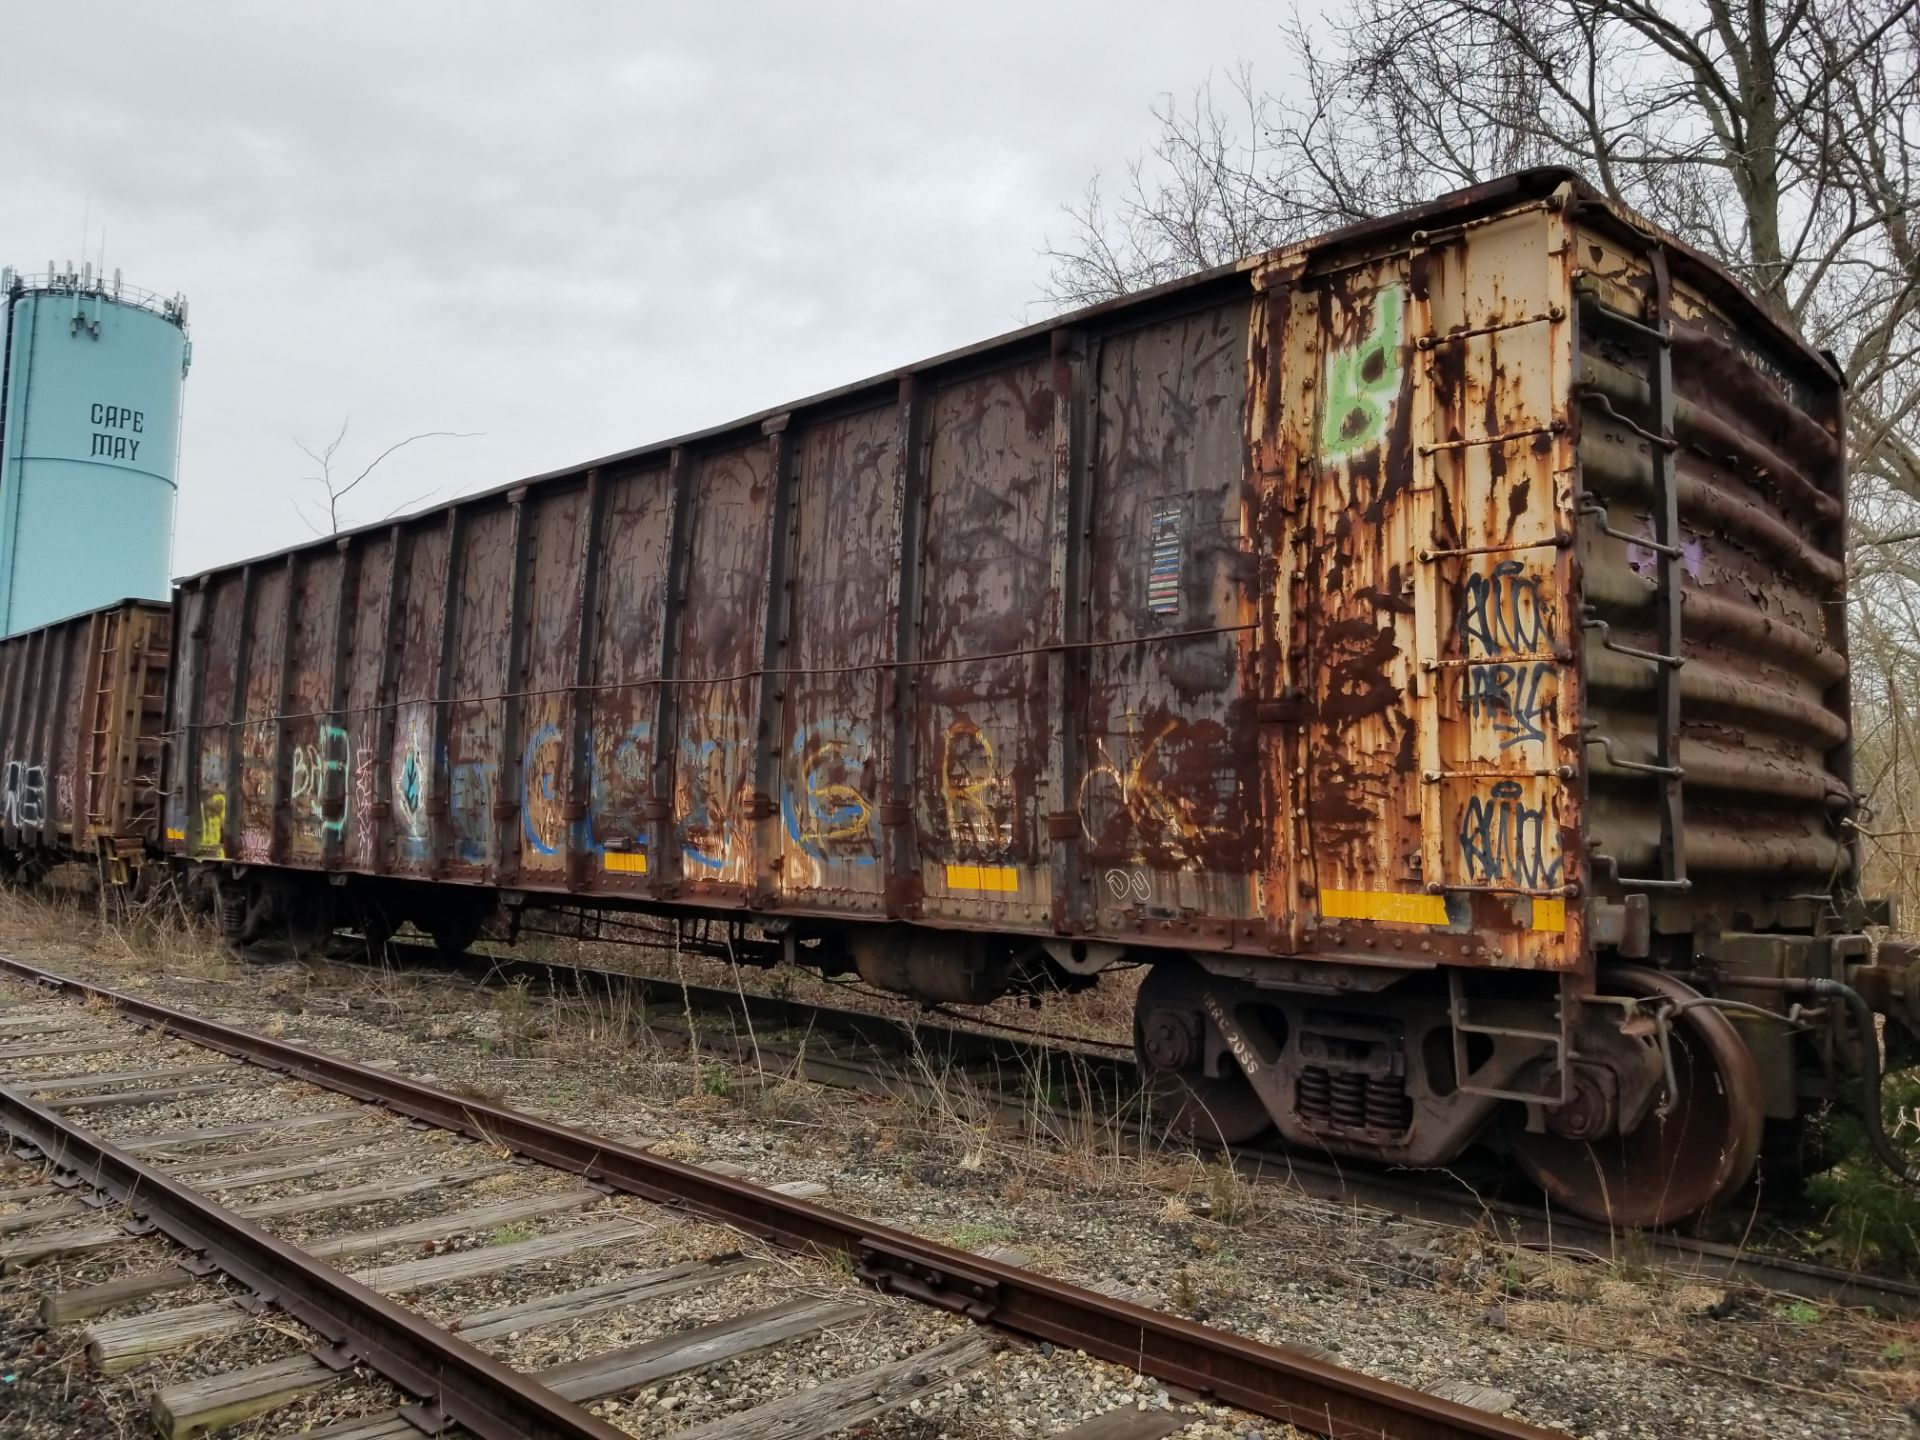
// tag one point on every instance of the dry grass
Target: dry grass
(1102, 1013)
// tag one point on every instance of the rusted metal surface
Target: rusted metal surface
(1431, 596)
(1317, 1397)
(82, 711)
(1757, 727)
(1302, 608)
(982, 712)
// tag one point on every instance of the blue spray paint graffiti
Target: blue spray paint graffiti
(410, 749)
(712, 773)
(826, 811)
(469, 795)
(1505, 840)
(1514, 699)
(617, 786)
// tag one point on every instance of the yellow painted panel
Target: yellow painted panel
(1550, 915)
(1004, 878)
(173, 834)
(626, 862)
(1388, 905)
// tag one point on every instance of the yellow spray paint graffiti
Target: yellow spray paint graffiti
(975, 793)
(213, 822)
(1123, 796)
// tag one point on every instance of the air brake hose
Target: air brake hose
(1877, 1137)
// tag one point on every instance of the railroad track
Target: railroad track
(880, 1054)
(284, 1185)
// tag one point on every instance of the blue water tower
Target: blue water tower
(90, 386)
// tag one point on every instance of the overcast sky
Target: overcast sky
(572, 227)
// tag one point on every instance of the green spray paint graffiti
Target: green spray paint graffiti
(1363, 382)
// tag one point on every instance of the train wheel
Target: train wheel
(1673, 1166)
(454, 934)
(376, 929)
(307, 926)
(1168, 1030)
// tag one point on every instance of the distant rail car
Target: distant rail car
(1423, 646)
(82, 709)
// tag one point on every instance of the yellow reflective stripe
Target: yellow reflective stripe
(1550, 915)
(630, 862)
(1389, 905)
(173, 834)
(1004, 878)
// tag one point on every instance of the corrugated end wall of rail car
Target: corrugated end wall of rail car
(1424, 646)
(82, 711)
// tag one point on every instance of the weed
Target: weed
(473, 1090)
(519, 1023)
(1801, 1313)
(1895, 1352)
(978, 1233)
(1185, 1296)
(1226, 1193)
(716, 1081)
(508, 1234)
(1870, 1215)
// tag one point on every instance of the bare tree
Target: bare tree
(336, 490)
(1779, 136)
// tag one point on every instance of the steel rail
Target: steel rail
(454, 1381)
(1305, 1392)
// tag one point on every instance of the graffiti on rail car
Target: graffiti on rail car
(311, 782)
(1503, 612)
(412, 763)
(712, 784)
(977, 796)
(1508, 837)
(23, 794)
(1160, 791)
(469, 804)
(618, 785)
(211, 822)
(619, 763)
(257, 745)
(824, 801)
(1514, 701)
(542, 791)
(1506, 831)
(1363, 383)
(365, 765)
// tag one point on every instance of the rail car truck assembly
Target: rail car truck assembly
(1423, 647)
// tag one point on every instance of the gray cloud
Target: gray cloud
(574, 227)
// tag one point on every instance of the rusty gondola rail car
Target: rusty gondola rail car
(82, 711)
(1419, 643)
